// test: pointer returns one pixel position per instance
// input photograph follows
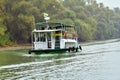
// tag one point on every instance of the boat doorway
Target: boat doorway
(57, 40)
(49, 40)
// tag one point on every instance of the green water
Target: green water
(13, 57)
(97, 61)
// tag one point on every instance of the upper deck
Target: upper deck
(54, 26)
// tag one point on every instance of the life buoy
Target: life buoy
(65, 34)
(74, 36)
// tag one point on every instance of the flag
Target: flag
(45, 14)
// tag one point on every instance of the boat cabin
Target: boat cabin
(53, 36)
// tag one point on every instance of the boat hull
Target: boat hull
(48, 51)
(54, 51)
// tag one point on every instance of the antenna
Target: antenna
(46, 18)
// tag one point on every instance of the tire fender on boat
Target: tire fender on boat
(76, 49)
(69, 49)
(80, 47)
(29, 52)
(73, 48)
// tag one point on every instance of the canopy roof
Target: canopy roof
(50, 23)
(53, 24)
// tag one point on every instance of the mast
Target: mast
(46, 19)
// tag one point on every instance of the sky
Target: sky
(110, 3)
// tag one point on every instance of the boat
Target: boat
(54, 37)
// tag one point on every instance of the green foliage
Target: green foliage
(83, 30)
(93, 20)
(4, 38)
(19, 21)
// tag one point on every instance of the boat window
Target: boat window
(40, 27)
(37, 27)
(68, 35)
(40, 37)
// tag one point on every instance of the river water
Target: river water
(98, 60)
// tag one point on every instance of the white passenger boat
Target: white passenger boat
(54, 37)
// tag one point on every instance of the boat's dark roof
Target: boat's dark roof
(50, 23)
(54, 24)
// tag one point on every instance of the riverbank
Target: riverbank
(17, 47)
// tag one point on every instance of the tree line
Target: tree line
(93, 20)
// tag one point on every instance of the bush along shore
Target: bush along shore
(16, 47)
